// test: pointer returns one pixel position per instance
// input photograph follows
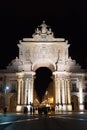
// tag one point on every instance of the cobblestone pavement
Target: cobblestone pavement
(61, 121)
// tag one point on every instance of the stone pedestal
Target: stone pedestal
(69, 107)
(81, 107)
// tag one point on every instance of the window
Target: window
(74, 87)
(1, 78)
(85, 87)
(85, 77)
(1, 89)
(13, 87)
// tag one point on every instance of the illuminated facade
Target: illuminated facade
(43, 50)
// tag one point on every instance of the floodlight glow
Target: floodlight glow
(7, 88)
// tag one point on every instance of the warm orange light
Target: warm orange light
(50, 100)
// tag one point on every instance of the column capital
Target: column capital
(30, 73)
(19, 79)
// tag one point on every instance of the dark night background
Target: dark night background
(67, 18)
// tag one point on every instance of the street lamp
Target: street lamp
(5, 94)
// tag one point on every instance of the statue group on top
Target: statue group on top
(43, 32)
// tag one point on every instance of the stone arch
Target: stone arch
(75, 103)
(43, 63)
(85, 102)
(42, 78)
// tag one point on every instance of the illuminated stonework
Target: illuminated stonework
(44, 50)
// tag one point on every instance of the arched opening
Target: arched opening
(43, 86)
(85, 102)
(75, 103)
(13, 103)
(1, 103)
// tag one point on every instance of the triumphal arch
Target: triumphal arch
(44, 50)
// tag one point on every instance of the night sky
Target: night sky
(67, 18)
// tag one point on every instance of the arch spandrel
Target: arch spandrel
(43, 63)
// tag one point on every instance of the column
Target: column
(22, 92)
(18, 92)
(26, 92)
(66, 92)
(69, 107)
(32, 89)
(56, 93)
(55, 101)
(59, 94)
(63, 95)
(29, 91)
(81, 106)
(18, 107)
(56, 90)
(63, 92)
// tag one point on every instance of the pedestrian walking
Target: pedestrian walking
(5, 110)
